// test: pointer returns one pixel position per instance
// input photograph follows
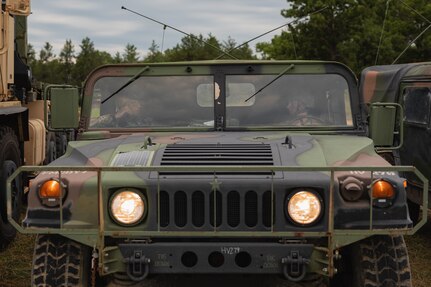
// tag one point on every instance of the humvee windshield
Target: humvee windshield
(307, 100)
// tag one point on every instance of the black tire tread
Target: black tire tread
(60, 144)
(384, 262)
(58, 261)
(9, 150)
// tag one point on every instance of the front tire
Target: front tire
(10, 160)
(58, 261)
(378, 261)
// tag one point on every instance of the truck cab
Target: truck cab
(410, 86)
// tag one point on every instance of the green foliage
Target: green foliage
(31, 54)
(154, 54)
(192, 48)
(87, 60)
(130, 54)
(242, 52)
(72, 68)
(46, 54)
(67, 56)
(349, 31)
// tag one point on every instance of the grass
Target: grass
(419, 248)
(15, 262)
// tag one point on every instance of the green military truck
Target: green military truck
(221, 167)
(410, 86)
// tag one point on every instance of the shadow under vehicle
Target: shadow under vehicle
(410, 86)
(220, 167)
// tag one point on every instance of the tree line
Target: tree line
(70, 67)
(358, 33)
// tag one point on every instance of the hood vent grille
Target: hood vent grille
(218, 155)
(231, 155)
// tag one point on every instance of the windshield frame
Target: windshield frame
(220, 70)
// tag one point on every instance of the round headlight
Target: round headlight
(304, 207)
(127, 207)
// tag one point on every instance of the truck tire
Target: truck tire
(10, 160)
(376, 261)
(58, 261)
(60, 143)
(51, 148)
(414, 211)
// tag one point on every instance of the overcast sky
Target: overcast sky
(111, 28)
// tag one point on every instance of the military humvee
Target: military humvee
(221, 167)
(410, 86)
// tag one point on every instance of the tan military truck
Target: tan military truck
(23, 136)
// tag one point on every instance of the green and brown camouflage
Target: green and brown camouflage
(410, 86)
(216, 151)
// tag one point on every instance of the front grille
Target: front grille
(251, 208)
(198, 208)
(233, 210)
(180, 207)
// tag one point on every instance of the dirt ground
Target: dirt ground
(15, 266)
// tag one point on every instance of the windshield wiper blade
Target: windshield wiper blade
(132, 79)
(272, 81)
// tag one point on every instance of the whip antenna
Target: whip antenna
(418, 36)
(270, 31)
(410, 43)
(179, 31)
(383, 30)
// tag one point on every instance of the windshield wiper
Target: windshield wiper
(134, 78)
(272, 81)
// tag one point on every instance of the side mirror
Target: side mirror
(384, 126)
(64, 107)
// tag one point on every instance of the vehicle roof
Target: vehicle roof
(381, 83)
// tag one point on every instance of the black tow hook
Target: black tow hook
(138, 266)
(294, 266)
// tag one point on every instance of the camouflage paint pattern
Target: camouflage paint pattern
(319, 149)
(381, 83)
(386, 84)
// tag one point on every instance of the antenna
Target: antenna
(178, 30)
(410, 43)
(383, 30)
(418, 36)
(270, 31)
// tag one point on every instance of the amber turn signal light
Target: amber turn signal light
(50, 189)
(382, 189)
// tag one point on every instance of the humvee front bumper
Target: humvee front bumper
(121, 249)
(292, 260)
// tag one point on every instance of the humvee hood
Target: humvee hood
(227, 148)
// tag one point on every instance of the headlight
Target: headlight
(127, 207)
(304, 207)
